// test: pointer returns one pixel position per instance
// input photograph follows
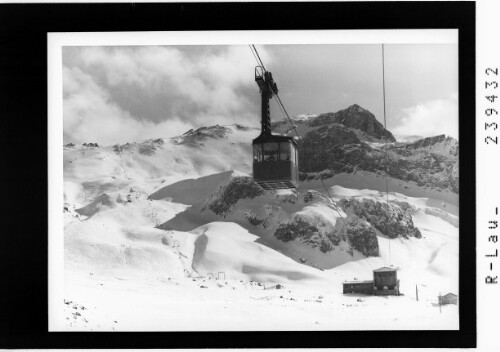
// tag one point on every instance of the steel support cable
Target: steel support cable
(261, 63)
(281, 106)
(333, 203)
(386, 155)
(283, 110)
(255, 57)
(288, 116)
(344, 224)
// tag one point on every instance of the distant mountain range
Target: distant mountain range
(352, 139)
(346, 141)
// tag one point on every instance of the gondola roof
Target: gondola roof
(270, 138)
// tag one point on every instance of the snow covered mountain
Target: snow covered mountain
(166, 224)
(307, 226)
(352, 139)
(358, 120)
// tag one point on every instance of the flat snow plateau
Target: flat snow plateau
(124, 274)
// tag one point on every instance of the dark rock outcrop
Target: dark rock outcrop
(298, 228)
(340, 143)
(390, 219)
(357, 233)
(358, 118)
(254, 220)
(196, 137)
(147, 147)
(238, 188)
(428, 166)
(301, 230)
(92, 145)
(94, 207)
(362, 237)
(450, 145)
(312, 196)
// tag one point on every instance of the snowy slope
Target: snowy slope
(203, 270)
(89, 171)
(262, 215)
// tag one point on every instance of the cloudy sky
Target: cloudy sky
(123, 94)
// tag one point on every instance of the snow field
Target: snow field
(214, 273)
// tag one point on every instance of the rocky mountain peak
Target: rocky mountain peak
(216, 131)
(441, 144)
(194, 137)
(355, 108)
(357, 118)
(428, 141)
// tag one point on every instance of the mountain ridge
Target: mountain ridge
(347, 141)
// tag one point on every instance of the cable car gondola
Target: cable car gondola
(275, 159)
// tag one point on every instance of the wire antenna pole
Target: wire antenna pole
(386, 155)
(383, 83)
(439, 301)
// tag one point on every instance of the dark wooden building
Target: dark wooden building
(449, 298)
(385, 281)
(365, 287)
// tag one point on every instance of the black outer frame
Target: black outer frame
(23, 62)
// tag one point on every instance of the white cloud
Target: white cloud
(430, 118)
(89, 116)
(117, 94)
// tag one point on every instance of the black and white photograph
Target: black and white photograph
(250, 175)
(292, 184)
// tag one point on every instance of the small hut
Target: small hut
(449, 298)
(385, 281)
